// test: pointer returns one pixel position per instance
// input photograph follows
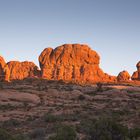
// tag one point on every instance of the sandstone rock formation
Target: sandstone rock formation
(21, 70)
(136, 74)
(72, 62)
(109, 78)
(123, 76)
(4, 70)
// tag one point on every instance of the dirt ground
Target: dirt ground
(34, 105)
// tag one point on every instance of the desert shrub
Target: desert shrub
(31, 118)
(37, 133)
(7, 107)
(85, 126)
(10, 123)
(21, 137)
(91, 93)
(99, 87)
(104, 129)
(4, 135)
(1, 86)
(29, 80)
(25, 105)
(42, 87)
(134, 133)
(70, 117)
(50, 118)
(64, 132)
(81, 97)
(108, 130)
(61, 82)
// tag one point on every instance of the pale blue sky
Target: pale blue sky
(111, 27)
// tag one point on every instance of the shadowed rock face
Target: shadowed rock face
(21, 70)
(138, 69)
(72, 62)
(123, 76)
(136, 74)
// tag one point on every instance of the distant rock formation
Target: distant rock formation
(69, 62)
(72, 62)
(136, 74)
(15, 70)
(21, 70)
(123, 76)
(4, 70)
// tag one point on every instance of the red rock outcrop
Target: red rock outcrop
(109, 78)
(4, 70)
(21, 70)
(72, 62)
(136, 74)
(123, 76)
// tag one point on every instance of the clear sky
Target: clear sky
(111, 27)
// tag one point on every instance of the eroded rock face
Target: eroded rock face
(72, 62)
(123, 76)
(136, 74)
(21, 70)
(4, 70)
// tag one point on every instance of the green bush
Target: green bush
(134, 134)
(1, 86)
(4, 135)
(21, 137)
(81, 97)
(50, 118)
(104, 129)
(11, 123)
(64, 132)
(99, 87)
(107, 129)
(37, 133)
